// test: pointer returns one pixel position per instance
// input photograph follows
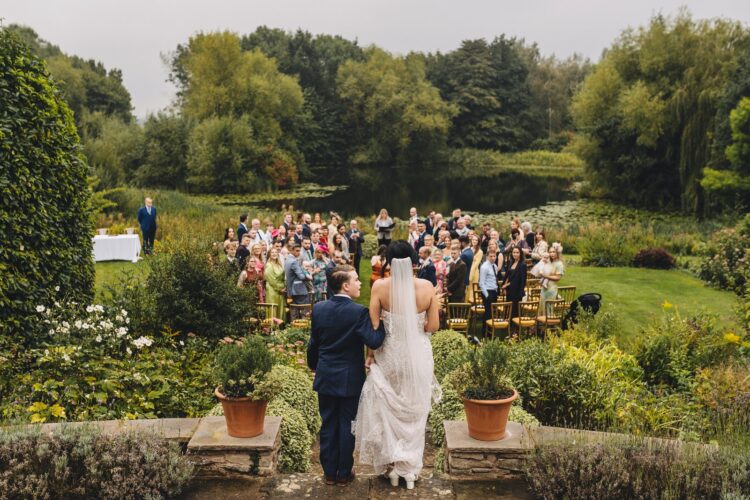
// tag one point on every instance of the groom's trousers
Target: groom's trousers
(336, 438)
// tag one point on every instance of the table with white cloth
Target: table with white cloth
(121, 247)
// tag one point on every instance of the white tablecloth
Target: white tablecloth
(122, 247)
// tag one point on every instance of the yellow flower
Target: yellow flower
(666, 305)
(732, 338)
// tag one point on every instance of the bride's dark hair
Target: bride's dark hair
(400, 249)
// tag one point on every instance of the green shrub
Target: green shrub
(449, 350)
(242, 369)
(607, 245)
(296, 390)
(450, 407)
(191, 295)
(84, 463)
(635, 468)
(484, 376)
(46, 247)
(727, 264)
(296, 441)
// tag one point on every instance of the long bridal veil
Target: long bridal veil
(401, 387)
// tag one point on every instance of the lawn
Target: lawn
(637, 295)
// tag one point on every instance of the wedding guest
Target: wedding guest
(440, 270)
(456, 278)
(340, 245)
(554, 275)
(476, 250)
(493, 247)
(306, 254)
(242, 228)
(147, 221)
(488, 284)
(454, 219)
(253, 276)
(413, 217)
(275, 284)
(426, 267)
(228, 234)
(231, 263)
(467, 256)
(355, 239)
(296, 278)
(540, 246)
(467, 222)
(435, 226)
(315, 239)
(384, 227)
(517, 241)
(444, 240)
(324, 245)
(429, 222)
(341, 229)
(333, 228)
(515, 224)
(319, 281)
(413, 234)
(529, 235)
(378, 265)
(306, 229)
(298, 234)
(460, 227)
(514, 283)
(422, 230)
(429, 242)
(317, 222)
(484, 238)
(260, 235)
(269, 233)
(243, 251)
(281, 235)
(288, 222)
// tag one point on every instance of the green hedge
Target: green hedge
(46, 249)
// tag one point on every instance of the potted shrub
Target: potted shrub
(486, 390)
(243, 386)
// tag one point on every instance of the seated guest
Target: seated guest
(426, 267)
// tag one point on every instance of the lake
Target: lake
(397, 189)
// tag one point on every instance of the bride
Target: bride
(400, 388)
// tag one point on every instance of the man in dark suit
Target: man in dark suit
(455, 281)
(243, 251)
(422, 230)
(355, 239)
(467, 254)
(306, 220)
(147, 220)
(426, 267)
(242, 228)
(341, 329)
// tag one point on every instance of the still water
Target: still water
(397, 190)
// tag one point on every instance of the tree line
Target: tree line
(660, 120)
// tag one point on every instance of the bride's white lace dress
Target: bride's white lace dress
(400, 388)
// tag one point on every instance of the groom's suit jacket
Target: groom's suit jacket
(340, 330)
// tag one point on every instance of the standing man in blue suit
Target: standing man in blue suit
(147, 220)
(341, 329)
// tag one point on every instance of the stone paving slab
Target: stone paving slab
(457, 438)
(174, 429)
(381, 488)
(211, 435)
(500, 490)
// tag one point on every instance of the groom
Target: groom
(340, 330)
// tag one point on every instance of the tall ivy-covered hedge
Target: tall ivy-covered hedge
(45, 242)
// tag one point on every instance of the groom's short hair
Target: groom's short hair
(340, 275)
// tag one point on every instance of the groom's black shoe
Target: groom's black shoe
(347, 480)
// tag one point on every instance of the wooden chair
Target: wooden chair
(532, 282)
(533, 293)
(527, 315)
(567, 294)
(458, 316)
(299, 315)
(477, 304)
(500, 320)
(551, 314)
(267, 312)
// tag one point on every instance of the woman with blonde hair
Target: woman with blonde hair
(384, 227)
(333, 228)
(474, 271)
(275, 283)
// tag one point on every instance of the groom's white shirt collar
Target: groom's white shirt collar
(343, 295)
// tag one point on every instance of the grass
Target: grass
(637, 295)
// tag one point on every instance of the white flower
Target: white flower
(99, 308)
(142, 342)
(51, 332)
(85, 326)
(127, 320)
(89, 309)
(182, 343)
(57, 288)
(79, 324)
(121, 332)
(124, 312)
(40, 309)
(65, 324)
(66, 357)
(128, 350)
(119, 318)
(98, 338)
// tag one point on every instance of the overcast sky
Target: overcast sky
(132, 34)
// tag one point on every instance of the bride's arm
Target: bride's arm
(374, 317)
(433, 317)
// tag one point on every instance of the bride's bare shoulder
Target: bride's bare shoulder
(379, 285)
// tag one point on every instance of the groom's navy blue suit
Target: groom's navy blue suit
(340, 330)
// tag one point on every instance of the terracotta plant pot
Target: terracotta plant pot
(487, 418)
(244, 416)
